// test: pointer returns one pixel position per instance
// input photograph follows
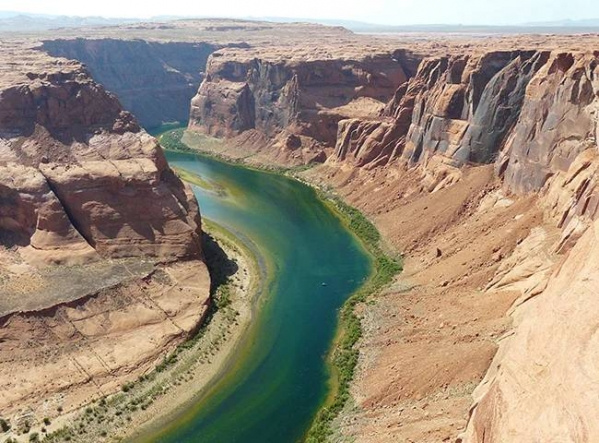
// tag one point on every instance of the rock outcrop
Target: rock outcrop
(84, 349)
(462, 107)
(154, 80)
(82, 186)
(440, 144)
(531, 113)
(34, 217)
(79, 168)
(531, 116)
(542, 385)
(301, 96)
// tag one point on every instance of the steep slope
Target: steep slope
(100, 254)
(478, 160)
(156, 68)
(153, 80)
(294, 102)
(535, 120)
(482, 169)
(71, 140)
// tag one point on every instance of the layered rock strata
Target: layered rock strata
(77, 168)
(440, 144)
(153, 80)
(100, 255)
(533, 116)
(501, 144)
(299, 101)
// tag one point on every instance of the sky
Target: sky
(388, 12)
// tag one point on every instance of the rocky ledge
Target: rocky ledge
(481, 166)
(100, 255)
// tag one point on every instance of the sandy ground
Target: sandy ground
(80, 351)
(205, 362)
(431, 336)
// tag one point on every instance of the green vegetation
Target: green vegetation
(171, 140)
(26, 427)
(140, 394)
(166, 127)
(344, 356)
(62, 434)
(194, 179)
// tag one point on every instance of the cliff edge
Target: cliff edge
(481, 167)
(100, 255)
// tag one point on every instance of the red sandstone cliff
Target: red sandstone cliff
(421, 167)
(479, 163)
(84, 187)
(153, 80)
(300, 101)
(75, 166)
(533, 115)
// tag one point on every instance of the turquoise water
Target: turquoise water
(279, 379)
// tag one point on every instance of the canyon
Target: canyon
(481, 170)
(475, 157)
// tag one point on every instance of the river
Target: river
(279, 378)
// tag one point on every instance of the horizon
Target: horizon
(378, 12)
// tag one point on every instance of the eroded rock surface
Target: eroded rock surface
(298, 102)
(89, 208)
(482, 168)
(478, 159)
(153, 80)
(77, 167)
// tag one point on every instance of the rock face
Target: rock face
(439, 146)
(543, 383)
(529, 115)
(32, 215)
(300, 96)
(78, 169)
(462, 107)
(84, 187)
(533, 114)
(87, 348)
(153, 80)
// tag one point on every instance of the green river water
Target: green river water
(278, 379)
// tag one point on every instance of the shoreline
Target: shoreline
(185, 374)
(184, 400)
(183, 380)
(342, 357)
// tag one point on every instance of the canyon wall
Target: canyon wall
(101, 271)
(296, 99)
(461, 107)
(529, 115)
(533, 115)
(473, 145)
(76, 166)
(154, 80)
